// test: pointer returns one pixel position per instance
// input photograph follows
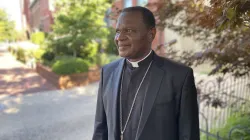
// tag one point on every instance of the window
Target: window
(142, 2)
(127, 3)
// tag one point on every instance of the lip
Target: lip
(124, 46)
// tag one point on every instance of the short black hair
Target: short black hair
(147, 15)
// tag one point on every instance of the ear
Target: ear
(152, 34)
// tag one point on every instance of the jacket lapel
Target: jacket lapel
(155, 81)
(115, 92)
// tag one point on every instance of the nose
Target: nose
(120, 36)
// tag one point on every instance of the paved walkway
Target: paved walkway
(16, 78)
(50, 115)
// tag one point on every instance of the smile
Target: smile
(124, 46)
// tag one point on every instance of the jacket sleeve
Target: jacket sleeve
(188, 112)
(100, 127)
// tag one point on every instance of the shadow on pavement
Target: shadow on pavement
(22, 81)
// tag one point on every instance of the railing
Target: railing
(219, 98)
(210, 136)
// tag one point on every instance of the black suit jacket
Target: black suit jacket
(170, 109)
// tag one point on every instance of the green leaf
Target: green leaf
(231, 13)
(77, 24)
(7, 27)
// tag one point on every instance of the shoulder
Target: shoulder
(175, 67)
(112, 66)
(109, 68)
(177, 72)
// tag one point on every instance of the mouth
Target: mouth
(124, 46)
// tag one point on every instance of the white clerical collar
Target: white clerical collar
(136, 64)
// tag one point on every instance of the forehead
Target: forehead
(133, 19)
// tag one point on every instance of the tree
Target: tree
(222, 27)
(111, 47)
(79, 27)
(7, 27)
(38, 38)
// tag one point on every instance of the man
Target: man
(143, 96)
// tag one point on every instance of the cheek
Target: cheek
(139, 38)
(115, 38)
(134, 39)
(136, 42)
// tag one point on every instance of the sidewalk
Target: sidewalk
(16, 78)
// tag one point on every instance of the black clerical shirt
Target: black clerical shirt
(131, 80)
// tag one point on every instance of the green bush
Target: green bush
(20, 55)
(63, 57)
(48, 63)
(38, 53)
(240, 118)
(113, 57)
(60, 46)
(51, 58)
(48, 56)
(38, 38)
(70, 66)
(88, 51)
(101, 59)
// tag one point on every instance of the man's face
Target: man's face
(133, 39)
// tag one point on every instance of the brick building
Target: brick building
(25, 17)
(26, 12)
(41, 15)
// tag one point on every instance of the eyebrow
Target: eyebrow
(128, 27)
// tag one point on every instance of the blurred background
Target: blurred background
(51, 52)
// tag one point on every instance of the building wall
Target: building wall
(41, 15)
(26, 12)
(183, 43)
(35, 15)
(46, 16)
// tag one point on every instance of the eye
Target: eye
(129, 30)
(118, 31)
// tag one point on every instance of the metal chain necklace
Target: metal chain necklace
(125, 126)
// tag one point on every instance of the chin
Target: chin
(124, 54)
